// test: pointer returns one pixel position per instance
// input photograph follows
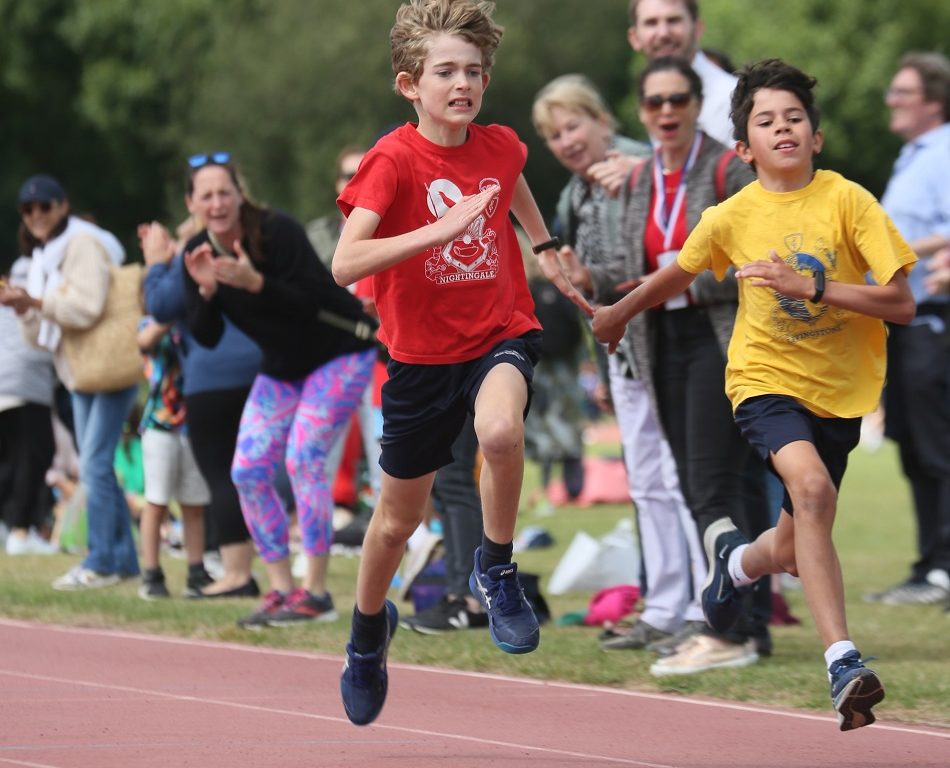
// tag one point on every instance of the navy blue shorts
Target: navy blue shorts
(425, 406)
(770, 422)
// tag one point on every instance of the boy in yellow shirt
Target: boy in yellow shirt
(807, 354)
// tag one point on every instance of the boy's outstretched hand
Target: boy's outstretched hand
(552, 269)
(774, 273)
(608, 327)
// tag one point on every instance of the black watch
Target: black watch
(554, 242)
(819, 275)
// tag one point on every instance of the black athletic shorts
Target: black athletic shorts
(770, 422)
(425, 406)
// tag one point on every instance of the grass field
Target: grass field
(874, 533)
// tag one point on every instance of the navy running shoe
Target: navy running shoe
(722, 600)
(854, 690)
(511, 621)
(365, 681)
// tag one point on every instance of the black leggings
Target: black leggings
(213, 421)
(26, 452)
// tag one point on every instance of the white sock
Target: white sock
(836, 650)
(739, 577)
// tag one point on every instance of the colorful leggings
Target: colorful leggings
(296, 422)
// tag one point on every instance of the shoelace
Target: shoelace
(507, 595)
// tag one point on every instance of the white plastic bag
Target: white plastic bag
(591, 564)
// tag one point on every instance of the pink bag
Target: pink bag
(611, 604)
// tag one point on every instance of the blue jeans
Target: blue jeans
(98, 418)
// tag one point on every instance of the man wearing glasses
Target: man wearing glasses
(917, 411)
(673, 28)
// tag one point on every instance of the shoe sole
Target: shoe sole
(660, 670)
(323, 617)
(854, 703)
(153, 598)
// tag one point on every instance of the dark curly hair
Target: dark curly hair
(776, 75)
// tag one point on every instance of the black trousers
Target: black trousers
(720, 475)
(26, 452)
(917, 416)
(455, 497)
(213, 421)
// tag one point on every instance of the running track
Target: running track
(75, 698)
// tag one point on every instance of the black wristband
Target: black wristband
(554, 242)
(819, 275)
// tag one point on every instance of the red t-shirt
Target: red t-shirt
(453, 302)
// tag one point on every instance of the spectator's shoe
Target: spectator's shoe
(30, 544)
(721, 598)
(447, 615)
(700, 653)
(301, 606)
(511, 621)
(854, 690)
(153, 585)
(80, 578)
(365, 681)
(639, 637)
(248, 589)
(669, 645)
(272, 603)
(196, 581)
(932, 590)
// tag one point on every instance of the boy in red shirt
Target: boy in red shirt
(427, 216)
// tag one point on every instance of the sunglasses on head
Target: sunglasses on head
(214, 158)
(27, 208)
(655, 102)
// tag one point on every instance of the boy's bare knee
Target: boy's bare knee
(813, 493)
(392, 530)
(500, 438)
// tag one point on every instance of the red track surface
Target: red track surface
(73, 698)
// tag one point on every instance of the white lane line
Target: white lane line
(604, 690)
(327, 718)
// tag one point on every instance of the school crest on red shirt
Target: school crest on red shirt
(473, 255)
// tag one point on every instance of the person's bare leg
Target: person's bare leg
(802, 544)
(193, 524)
(150, 524)
(315, 580)
(236, 560)
(279, 575)
(397, 514)
(499, 424)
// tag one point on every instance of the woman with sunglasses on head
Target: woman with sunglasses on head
(215, 385)
(689, 172)
(256, 267)
(67, 286)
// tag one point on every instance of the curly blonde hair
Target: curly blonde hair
(417, 21)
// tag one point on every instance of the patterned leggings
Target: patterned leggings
(296, 422)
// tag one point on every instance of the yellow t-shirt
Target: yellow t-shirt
(831, 360)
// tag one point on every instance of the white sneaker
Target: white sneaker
(703, 652)
(80, 578)
(31, 544)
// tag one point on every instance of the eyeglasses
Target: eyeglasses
(656, 102)
(901, 93)
(215, 158)
(26, 209)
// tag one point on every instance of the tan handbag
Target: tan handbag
(105, 357)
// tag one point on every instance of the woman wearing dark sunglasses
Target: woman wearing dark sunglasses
(67, 285)
(689, 172)
(256, 267)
